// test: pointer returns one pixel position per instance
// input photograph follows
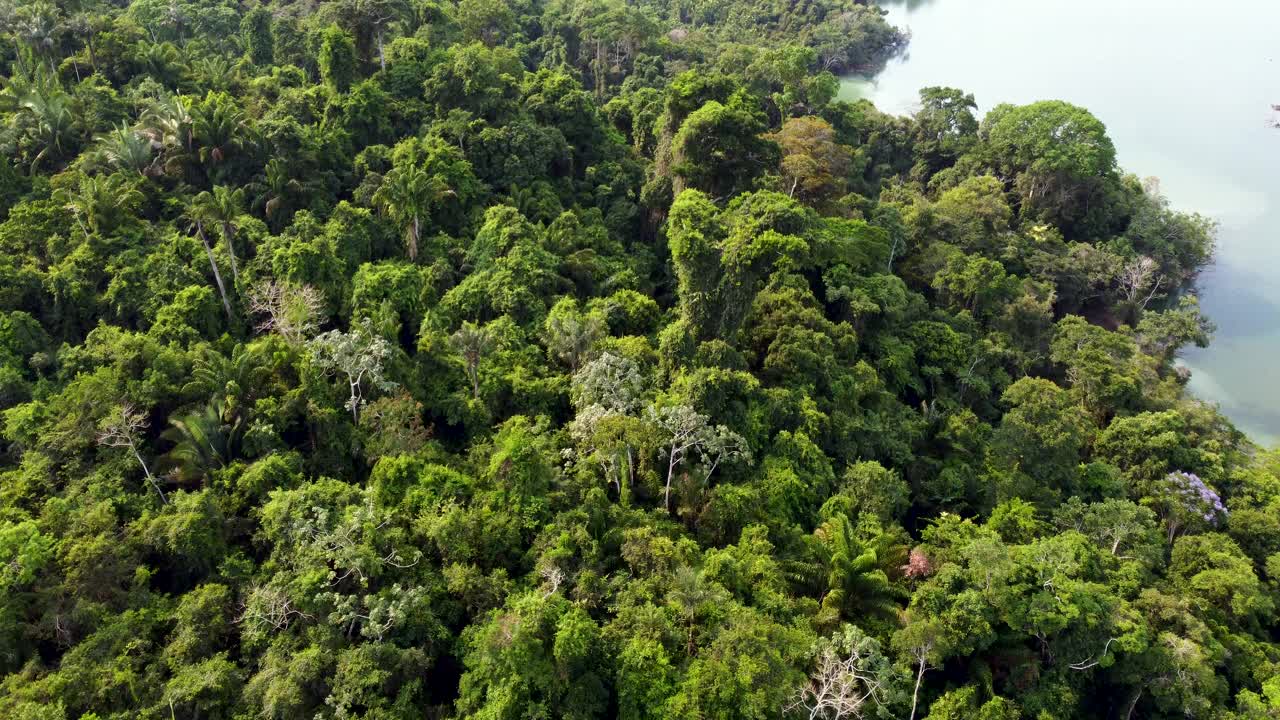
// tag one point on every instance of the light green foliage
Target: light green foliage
(255, 27)
(1058, 154)
(721, 262)
(588, 359)
(357, 357)
(337, 58)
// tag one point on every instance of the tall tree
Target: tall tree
(222, 208)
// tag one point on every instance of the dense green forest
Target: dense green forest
(589, 359)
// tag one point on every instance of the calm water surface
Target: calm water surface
(1185, 89)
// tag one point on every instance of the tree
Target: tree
(719, 150)
(378, 16)
(920, 642)
(393, 426)
(473, 342)
(746, 672)
(221, 208)
(722, 259)
(851, 678)
(537, 655)
(945, 126)
(1042, 436)
(1103, 367)
(813, 163)
(1058, 155)
(337, 58)
(124, 428)
(359, 356)
(608, 429)
(255, 29)
(486, 20)
(1187, 503)
(292, 311)
(689, 433)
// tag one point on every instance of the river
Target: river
(1185, 89)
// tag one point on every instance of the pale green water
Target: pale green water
(1185, 89)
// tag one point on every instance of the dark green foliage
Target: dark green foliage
(585, 359)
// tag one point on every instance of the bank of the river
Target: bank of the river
(1186, 94)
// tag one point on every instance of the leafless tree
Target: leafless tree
(552, 577)
(839, 688)
(269, 608)
(1137, 276)
(124, 428)
(292, 311)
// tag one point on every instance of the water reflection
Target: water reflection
(908, 5)
(1201, 127)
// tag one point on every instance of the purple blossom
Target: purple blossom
(1195, 498)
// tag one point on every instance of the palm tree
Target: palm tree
(214, 72)
(216, 125)
(472, 342)
(98, 203)
(36, 24)
(197, 224)
(46, 108)
(856, 586)
(167, 124)
(87, 25)
(222, 207)
(273, 188)
(203, 442)
(233, 383)
(692, 593)
(126, 149)
(163, 62)
(406, 195)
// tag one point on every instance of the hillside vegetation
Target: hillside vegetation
(392, 359)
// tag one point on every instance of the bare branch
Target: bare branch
(124, 428)
(294, 312)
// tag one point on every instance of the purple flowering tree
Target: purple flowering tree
(1189, 502)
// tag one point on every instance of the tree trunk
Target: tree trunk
(227, 233)
(625, 498)
(1133, 704)
(915, 695)
(217, 276)
(147, 471)
(671, 469)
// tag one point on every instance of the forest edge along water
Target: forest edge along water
(1188, 97)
